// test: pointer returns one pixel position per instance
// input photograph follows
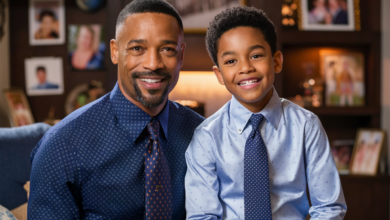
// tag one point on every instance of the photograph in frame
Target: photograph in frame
(329, 15)
(19, 109)
(46, 22)
(367, 151)
(196, 15)
(343, 74)
(44, 76)
(342, 152)
(86, 46)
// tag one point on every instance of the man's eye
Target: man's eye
(135, 48)
(169, 49)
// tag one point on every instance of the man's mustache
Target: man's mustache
(165, 74)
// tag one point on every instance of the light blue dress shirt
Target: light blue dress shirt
(299, 157)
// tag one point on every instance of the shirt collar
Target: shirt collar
(241, 115)
(133, 119)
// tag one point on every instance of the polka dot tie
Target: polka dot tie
(158, 197)
(256, 178)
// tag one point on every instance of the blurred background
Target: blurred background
(54, 58)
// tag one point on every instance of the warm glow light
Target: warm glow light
(291, 22)
(203, 88)
(312, 82)
(285, 21)
(298, 97)
(306, 85)
(294, 6)
(189, 103)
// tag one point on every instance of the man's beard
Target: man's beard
(153, 101)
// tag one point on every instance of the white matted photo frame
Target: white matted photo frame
(196, 15)
(46, 22)
(44, 76)
(329, 15)
(19, 109)
(367, 152)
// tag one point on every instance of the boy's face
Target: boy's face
(247, 66)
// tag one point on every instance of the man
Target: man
(122, 156)
(339, 15)
(42, 82)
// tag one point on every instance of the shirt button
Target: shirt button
(239, 131)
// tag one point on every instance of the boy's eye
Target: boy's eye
(230, 62)
(257, 56)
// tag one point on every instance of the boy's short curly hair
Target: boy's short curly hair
(242, 16)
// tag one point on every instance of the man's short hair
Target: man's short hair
(46, 13)
(242, 16)
(41, 68)
(145, 6)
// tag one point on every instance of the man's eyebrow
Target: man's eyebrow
(169, 42)
(228, 53)
(137, 41)
(256, 47)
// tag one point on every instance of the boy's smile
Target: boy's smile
(247, 66)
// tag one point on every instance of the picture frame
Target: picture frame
(196, 17)
(84, 39)
(343, 72)
(44, 76)
(19, 109)
(46, 22)
(342, 152)
(330, 15)
(367, 152)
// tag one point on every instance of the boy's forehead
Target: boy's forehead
(240, 38)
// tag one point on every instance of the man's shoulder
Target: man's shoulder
(84, 117)
(179, 112)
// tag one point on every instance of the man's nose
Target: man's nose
(152, 60)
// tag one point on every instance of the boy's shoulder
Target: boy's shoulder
(293, 111)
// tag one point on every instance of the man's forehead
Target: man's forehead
(159, 23)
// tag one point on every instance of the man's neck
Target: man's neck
(152, 111)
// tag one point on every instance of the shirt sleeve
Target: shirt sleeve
(326, 193)
(51, 180)
(201, 180)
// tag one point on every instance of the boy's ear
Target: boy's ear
(278, 62)
(114, 51)
(218, 75)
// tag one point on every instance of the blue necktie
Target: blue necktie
(158, 195)
(256, 178)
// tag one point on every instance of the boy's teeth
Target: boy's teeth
(248, 82)
(151, 80)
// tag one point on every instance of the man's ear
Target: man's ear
(114, 51)
(218, 74)
(278, 62)
(183, 48)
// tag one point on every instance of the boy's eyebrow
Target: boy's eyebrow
(256, 47)
(228, 53)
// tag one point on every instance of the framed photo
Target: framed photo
(46, 22)
(86, 46)
(196, 15)
(44, 76)
(343, 74)
(329, 15)
(342, 151)
(366, 152)
(19, 109)
(83, 94)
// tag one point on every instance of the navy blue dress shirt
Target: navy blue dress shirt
(91, 164)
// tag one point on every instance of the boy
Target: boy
(254, 158)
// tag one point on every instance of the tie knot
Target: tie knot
(153, 128)
(256, 120)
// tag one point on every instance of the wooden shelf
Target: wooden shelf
(353, 38)
(345, 111)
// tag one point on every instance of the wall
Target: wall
(4, 70)
(386, 70)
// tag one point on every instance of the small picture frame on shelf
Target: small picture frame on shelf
(329, 15)
(197, 15)
(46, 22)
(367, 151)
(18, 107)
(343, 73)
(342, 151)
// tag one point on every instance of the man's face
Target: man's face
(41, 75)
(149, 52)
(47, 24)
(246, 64)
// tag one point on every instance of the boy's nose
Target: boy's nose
(246, 67)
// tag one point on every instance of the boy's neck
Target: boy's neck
(257, 106)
